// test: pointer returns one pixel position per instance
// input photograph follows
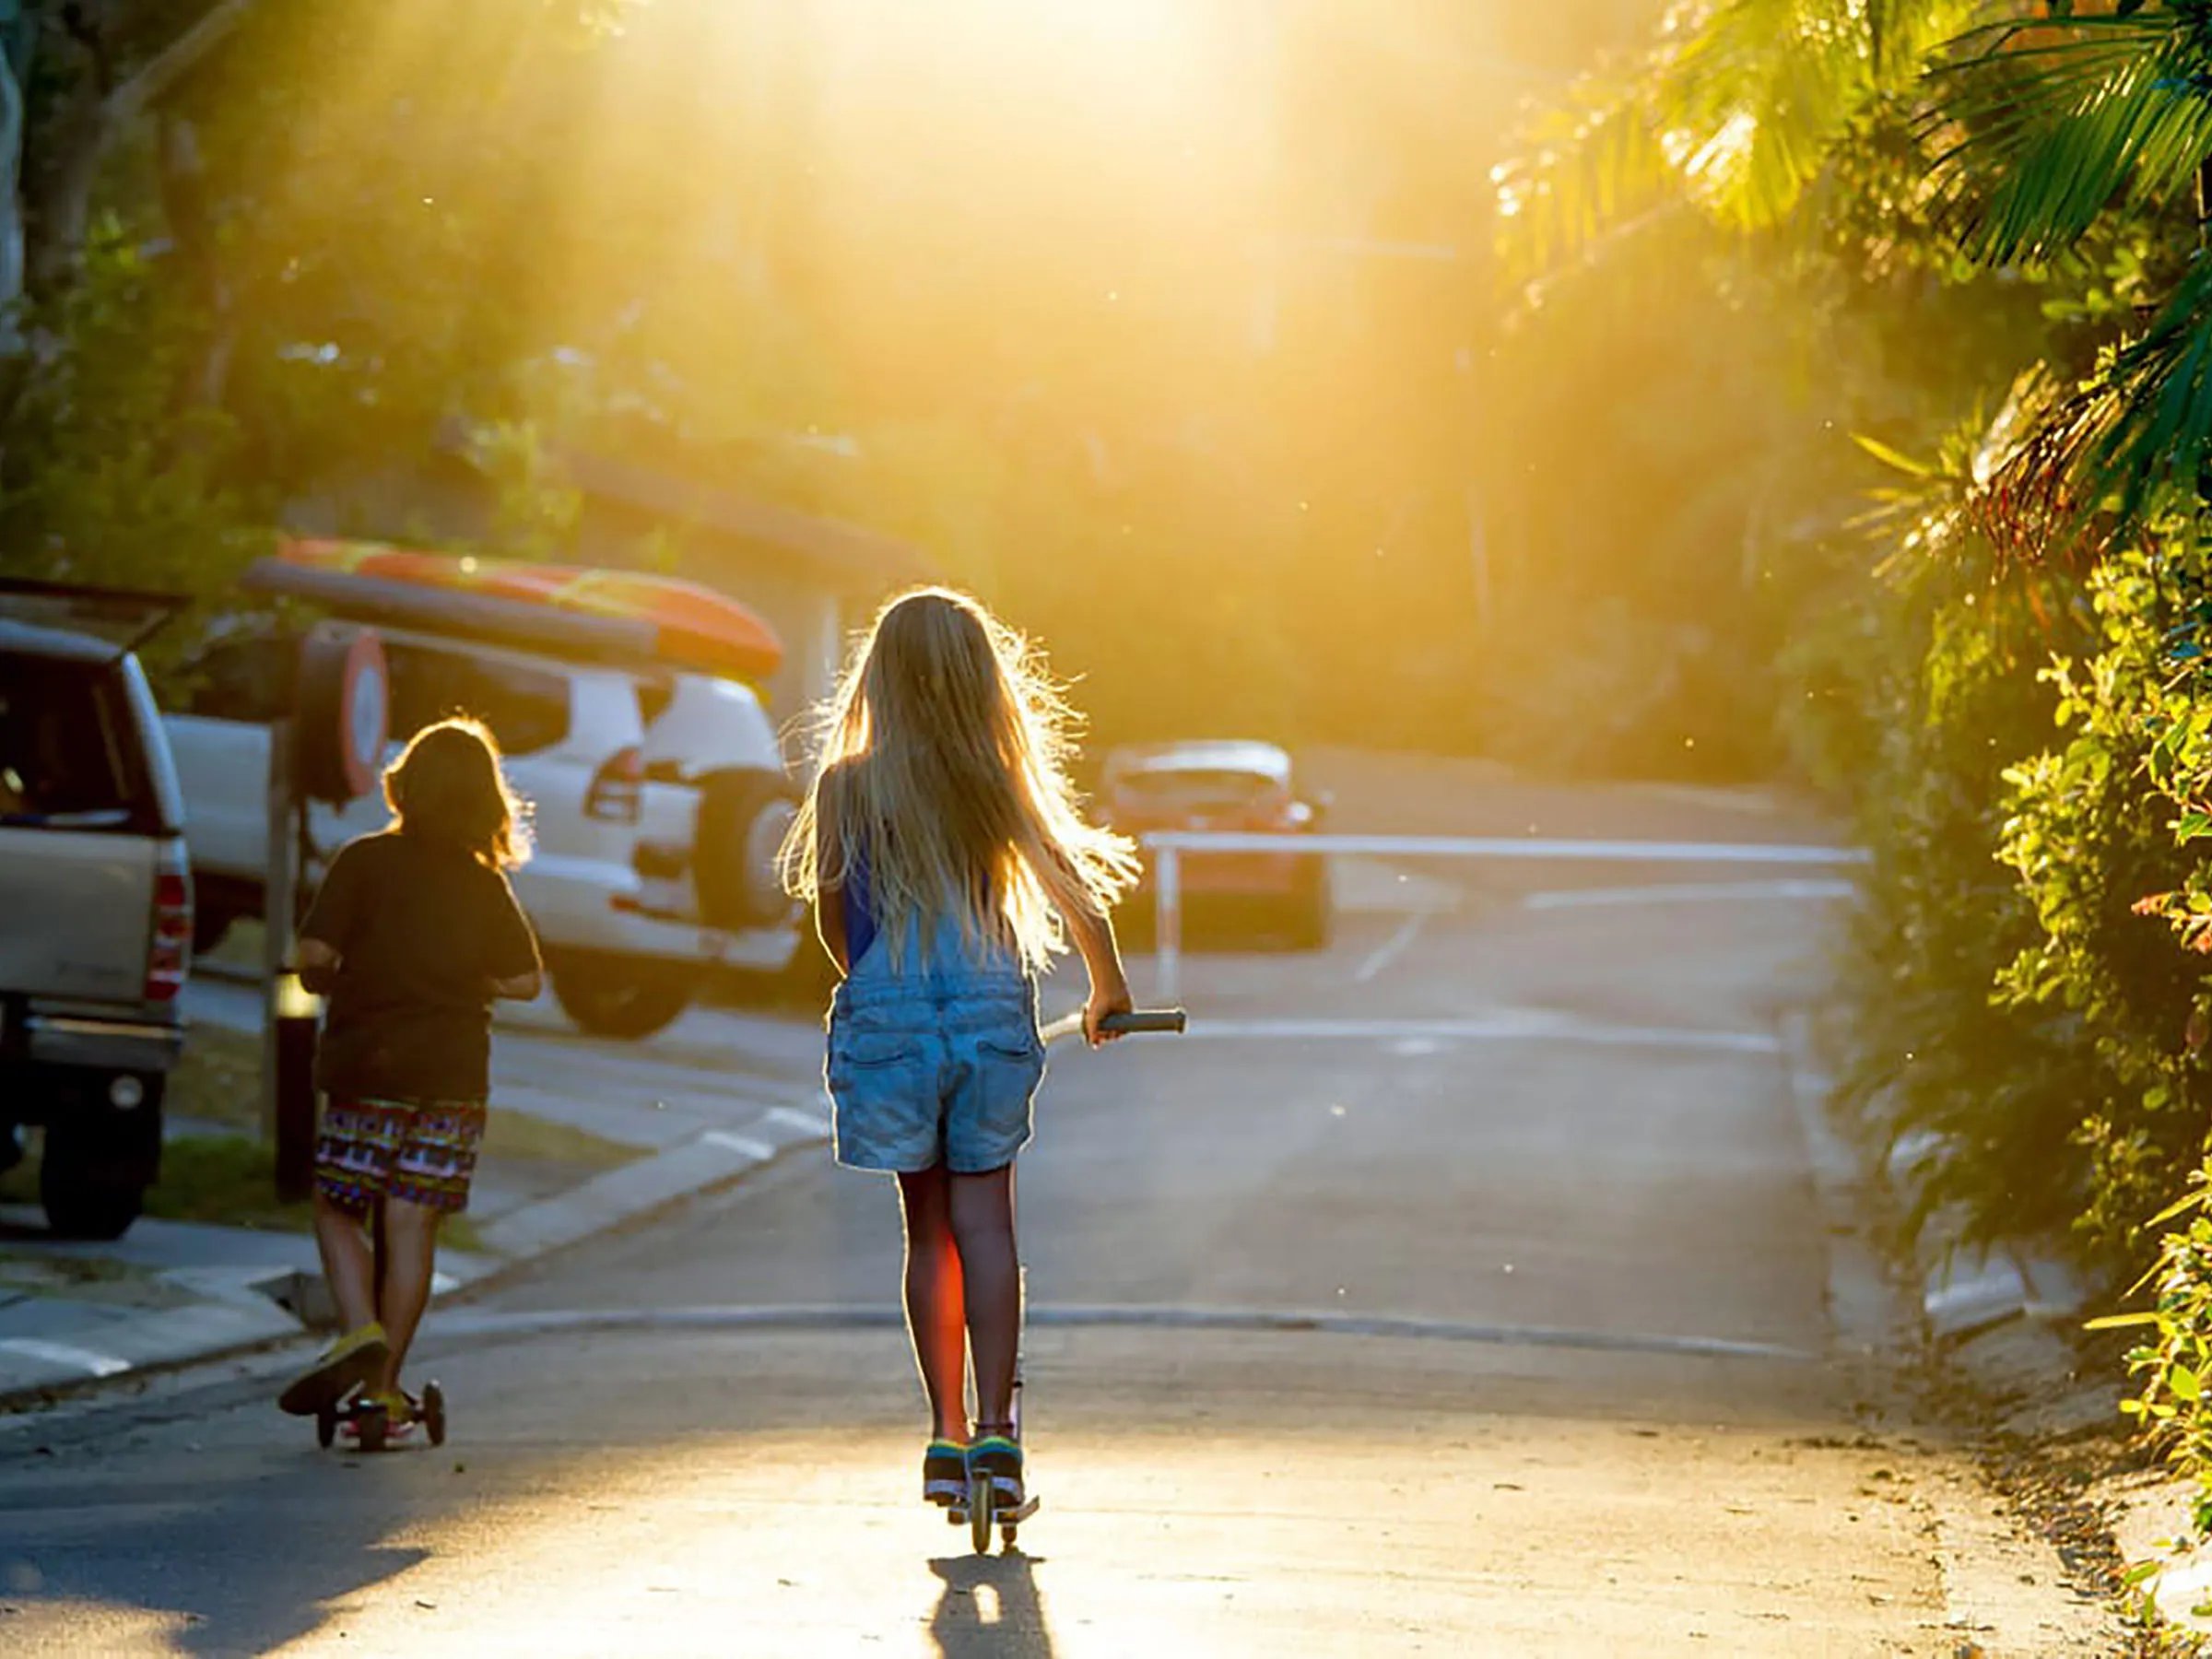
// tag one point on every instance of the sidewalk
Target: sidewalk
(717, 1096)
(2001, 1326)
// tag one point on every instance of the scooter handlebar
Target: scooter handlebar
(1137, 1022)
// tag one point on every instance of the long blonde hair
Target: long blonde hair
(943, 765)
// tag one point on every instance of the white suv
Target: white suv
(628, 913)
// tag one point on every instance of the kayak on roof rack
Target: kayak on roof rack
(692, 626)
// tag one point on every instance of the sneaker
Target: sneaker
(944, 1473)
(999, 1458)
(347, 1365)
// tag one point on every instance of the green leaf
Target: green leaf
(2116, 1322)
(1890, 458)
(2183, 1384)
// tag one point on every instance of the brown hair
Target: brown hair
(447, 786)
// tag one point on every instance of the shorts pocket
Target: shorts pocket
(873, 1051)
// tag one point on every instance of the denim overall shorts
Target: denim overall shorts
(937, 1061)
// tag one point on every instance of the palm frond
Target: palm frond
(1758, 95)
(1737, 108)
(2160, 435)
(2047, 133)
(2022, 497)
(1593, 162)
(2098, 461)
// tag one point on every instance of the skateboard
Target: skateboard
(371, 1421)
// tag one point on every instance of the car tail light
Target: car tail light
(617, 788)
(169, 950)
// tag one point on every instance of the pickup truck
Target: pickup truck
(656, 808)
(95, 903)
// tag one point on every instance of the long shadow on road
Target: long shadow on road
(990, 1608)
(229, 1568)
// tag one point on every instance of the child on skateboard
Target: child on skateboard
(413, 935)
(942, 848)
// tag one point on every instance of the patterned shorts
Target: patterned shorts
(418, 1151)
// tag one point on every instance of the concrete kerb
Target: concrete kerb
(240, 1315)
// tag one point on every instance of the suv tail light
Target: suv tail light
(616, 793)
(169, 953)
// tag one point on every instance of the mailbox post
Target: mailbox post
(332, 750)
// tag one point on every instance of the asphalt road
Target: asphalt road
(1462, 1290)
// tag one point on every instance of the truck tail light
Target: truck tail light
(168, 951)
(616, 791)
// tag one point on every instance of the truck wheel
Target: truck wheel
(741, 823)
(803, 984)
(85, 1196)
(209, 928)
(625, 998)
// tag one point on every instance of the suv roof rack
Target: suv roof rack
(123, 618)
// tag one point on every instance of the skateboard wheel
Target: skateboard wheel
(326, 1428)
(375, 1424)
(433, 1413)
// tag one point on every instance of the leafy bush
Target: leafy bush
(2091, 835)
(1930, 695)
(2174, 1361)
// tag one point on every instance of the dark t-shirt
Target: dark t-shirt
(422, 930)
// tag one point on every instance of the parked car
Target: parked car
(95, 901)
(646, 795)
(1225, 785)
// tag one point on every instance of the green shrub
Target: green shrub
(2090, 832)
(2174, 1361)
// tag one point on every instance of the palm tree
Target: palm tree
(2052, 128)
(1737, 109)
(2024, 136)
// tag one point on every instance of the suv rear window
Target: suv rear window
(70, 754)
(527, 709)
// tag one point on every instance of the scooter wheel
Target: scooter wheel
(326, 1428)
(981, 1496)
(433, 1413)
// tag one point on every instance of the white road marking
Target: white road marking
(744, 1145)
(1687, 892)
(1506, 1027)
(1392, 948)
(89, 1360)
(1190, 842)
(812, 1121)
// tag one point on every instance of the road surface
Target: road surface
(1462, 1289)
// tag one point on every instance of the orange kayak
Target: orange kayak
(696, 627)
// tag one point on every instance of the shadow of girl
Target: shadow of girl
(990, 1608)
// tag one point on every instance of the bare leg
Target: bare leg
(935, 1302)
(410, 1254)
(347, 1264)
(982, 1208)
